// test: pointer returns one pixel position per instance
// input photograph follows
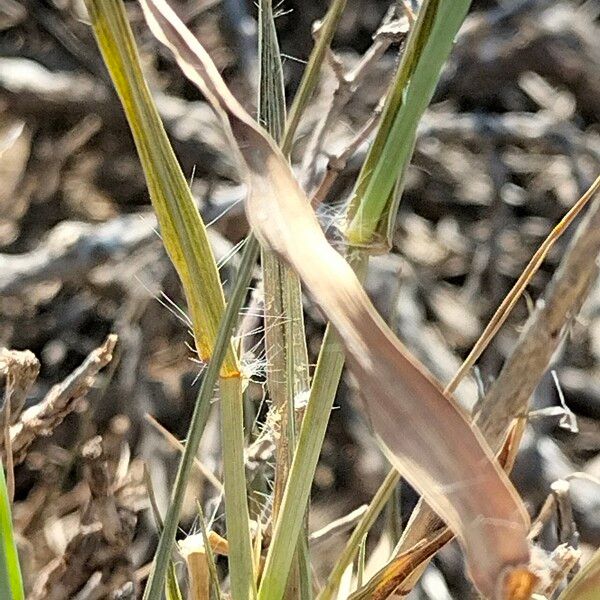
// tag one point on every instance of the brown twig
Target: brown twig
(175, 443)
(506, 306)
(33, 91)
(542, 518)
(337, 162)
(71, 249)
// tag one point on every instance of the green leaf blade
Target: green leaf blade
(375, 199)
(182, 230)
(11, 582)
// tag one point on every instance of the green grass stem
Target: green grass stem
(374, 204)
(11, 583)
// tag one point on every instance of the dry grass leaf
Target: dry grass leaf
(429, 439)
(399, 570)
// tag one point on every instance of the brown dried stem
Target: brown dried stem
(510, 394)
(391, 31)
(21, 370)
(516, 292)
(337, 162)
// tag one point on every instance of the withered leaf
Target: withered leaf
(430, 441)
(388, 579)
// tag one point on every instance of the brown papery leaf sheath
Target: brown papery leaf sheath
(429, 439)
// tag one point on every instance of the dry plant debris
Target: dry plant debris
(62, 399)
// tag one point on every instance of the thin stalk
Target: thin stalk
(312, 71)
(271, 92)
(295, 499)
(509, 301)
(285, 337)
(199, 418)
(393, 517)
(237, 517)
(287, 359)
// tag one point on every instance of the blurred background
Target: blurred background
(509, 144)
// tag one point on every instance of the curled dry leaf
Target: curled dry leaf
(429, 439)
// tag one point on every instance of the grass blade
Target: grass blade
(271, 94)
(182, 230)
(11, 583)
(221, 350)
(285, 338)
(373, 207)
(296, 495)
